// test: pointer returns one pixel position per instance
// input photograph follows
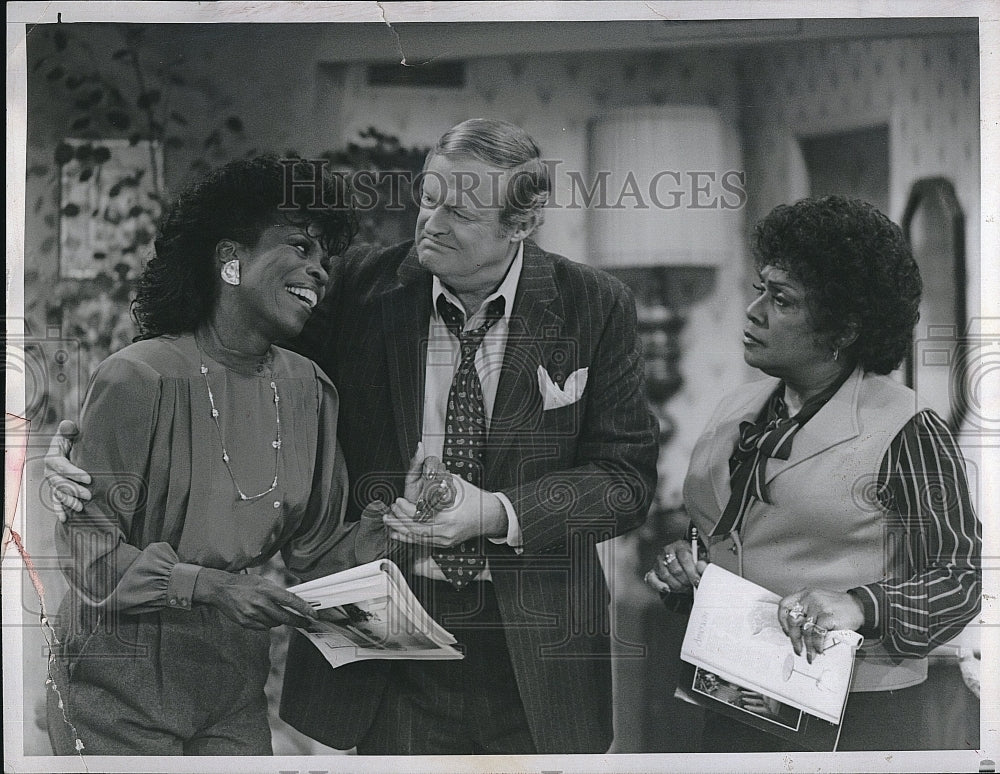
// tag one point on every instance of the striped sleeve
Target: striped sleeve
(934, 578)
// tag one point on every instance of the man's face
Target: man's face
(458, 235)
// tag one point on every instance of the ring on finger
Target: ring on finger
(668, 558)
(809, 624)
(796, 614)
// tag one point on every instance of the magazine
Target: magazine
(369, 612)
(740, 663)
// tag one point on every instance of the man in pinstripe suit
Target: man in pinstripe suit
(569, 461)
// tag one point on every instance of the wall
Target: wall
(552, 96)
(221, 78)
(926, 89)
(304, 104)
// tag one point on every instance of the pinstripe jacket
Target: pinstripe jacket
(576, 475)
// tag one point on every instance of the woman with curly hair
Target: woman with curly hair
(211, 450)
(828, 483)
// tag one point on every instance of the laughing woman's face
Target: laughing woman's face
(283, 278)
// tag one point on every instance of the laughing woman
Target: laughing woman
(827, 483)
(211, 450)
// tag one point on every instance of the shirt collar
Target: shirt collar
(776, 408)
(507, 289)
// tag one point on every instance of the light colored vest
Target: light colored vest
(824, 527)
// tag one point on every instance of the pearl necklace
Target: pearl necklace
(276, 443)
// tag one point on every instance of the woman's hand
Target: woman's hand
(807, 615)
(676, 570)
(371, 541)
(251, 600)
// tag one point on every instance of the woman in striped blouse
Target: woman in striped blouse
(829, 483)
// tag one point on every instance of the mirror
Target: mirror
(934, 225)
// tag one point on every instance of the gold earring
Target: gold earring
(231, 272)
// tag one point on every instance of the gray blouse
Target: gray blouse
(164, 501)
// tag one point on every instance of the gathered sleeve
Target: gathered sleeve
(324, 542)
(104, 568)
(934, 590)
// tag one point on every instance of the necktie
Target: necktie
(465, 433)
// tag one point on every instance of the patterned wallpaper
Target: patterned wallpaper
(925, 90)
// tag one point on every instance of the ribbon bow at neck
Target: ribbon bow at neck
(748, 465)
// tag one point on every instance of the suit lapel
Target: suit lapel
(405, 315)
(535, 331)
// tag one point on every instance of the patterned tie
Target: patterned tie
(465, 433)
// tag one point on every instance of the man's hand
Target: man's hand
(475, 513)
(428, 485)
(66, 482)
(250, 600)
(435, 489)
(414, 476)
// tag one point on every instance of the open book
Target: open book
(740, 663)
(369, 612)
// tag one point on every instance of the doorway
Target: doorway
(854, 163)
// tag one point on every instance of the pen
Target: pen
(693, 534)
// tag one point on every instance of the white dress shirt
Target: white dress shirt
(443, 358)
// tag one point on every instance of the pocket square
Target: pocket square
(554, 396)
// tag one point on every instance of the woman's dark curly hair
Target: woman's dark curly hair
(238, 201)
(857, 270)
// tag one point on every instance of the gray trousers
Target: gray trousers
(167, 683)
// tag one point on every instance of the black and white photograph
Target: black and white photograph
(722, 690)
(551, 305)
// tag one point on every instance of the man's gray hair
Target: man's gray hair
(507, 146)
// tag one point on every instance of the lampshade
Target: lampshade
(664, 188)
